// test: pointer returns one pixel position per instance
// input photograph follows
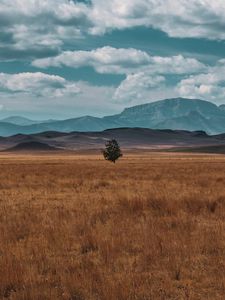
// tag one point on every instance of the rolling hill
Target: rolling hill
(128, 138)
(32, 146)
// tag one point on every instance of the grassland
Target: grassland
(77, 227)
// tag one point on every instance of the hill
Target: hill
(128, 138)
(18, 120)
(31, 146)
(22, 121)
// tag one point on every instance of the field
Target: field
(152, 226)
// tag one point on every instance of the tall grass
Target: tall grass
(79, 228)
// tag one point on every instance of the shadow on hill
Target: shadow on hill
(31, 146)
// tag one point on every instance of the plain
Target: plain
(76, 227)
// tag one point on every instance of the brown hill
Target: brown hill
(32, 146)
(128, 138)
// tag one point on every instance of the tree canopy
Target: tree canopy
(112, 151)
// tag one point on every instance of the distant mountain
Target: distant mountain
(129, 138)
(192, 121)
(176, 114)
(154, 113)
(222, 107)
(22, 121)
(17, 120)
(86, 123)
(7, 129)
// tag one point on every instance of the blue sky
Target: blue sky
(64, 58)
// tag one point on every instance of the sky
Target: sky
(66, 58)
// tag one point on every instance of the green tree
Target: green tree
(112, 151)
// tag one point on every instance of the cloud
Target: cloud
(103, 60)
(36, 84)
(121, 61)
(150, 78)
(53, 96)
(137, 86)
(91, 100)
(37, 28)
(209, 85)
(41, 31)
(145, 74)
(178, 18)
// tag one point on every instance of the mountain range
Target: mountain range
(175, 114)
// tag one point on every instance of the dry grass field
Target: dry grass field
(76, 227)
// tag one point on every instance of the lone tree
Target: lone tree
(112, 151)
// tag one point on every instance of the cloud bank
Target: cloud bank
(37, 28)
(121, 61)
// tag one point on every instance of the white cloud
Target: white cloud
(103, 60)
(36, 84)
(174, 65)
(150, 78)
(178, 18)
(39, 28)
(137, 86)
(209, 85)
(144, 73)
(121, 61)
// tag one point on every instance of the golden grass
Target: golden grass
(77, 227)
